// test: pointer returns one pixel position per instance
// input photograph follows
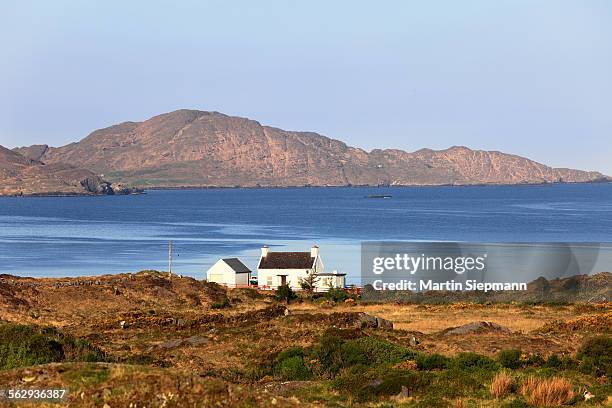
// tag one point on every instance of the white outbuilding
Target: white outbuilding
(329, 280)
(229, 272)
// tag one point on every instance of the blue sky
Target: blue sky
(526, 77)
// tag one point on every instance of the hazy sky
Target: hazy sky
(527, 77)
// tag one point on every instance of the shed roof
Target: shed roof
(237, 265)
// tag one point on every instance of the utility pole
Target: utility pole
(169, 258)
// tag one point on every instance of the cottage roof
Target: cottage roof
(287, 260)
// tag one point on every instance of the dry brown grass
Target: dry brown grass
(459, 403)
(434, 318)
(502, 385)
(546, 392)
(528, 384)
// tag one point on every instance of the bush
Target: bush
(292, 369)
(432, 361)
(596, 346)
(535, 360)
(289, 353)
(289, 365)
(284, 294)
(553, 361)
(220, 305)
(365, 383)
(380, 351)
(510, 358)
(337, 295)
(26, 345)
(502, 385)
(335, 353)
(595, 356)
(472, 360)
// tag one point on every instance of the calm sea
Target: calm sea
(100, 235)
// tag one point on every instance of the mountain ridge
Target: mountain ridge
(191, 148)
(22, 176)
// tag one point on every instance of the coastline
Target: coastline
(68, 195)
(399, 186)
(143, 189)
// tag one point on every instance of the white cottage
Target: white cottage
(287, 268)
(229, 272)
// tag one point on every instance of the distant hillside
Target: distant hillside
(189, 148)
(22, 176)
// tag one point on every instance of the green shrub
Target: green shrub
(465, 381)
(380, 351)
(284, 294)
(292, 369)
(560, 363)
(221, 305)
(289, 365)
(337, 295)
(352, 353)
(335, 353)
(510, 358)
(596, 346)
(553, 361)
(535, 360)
(473, 360)
(327, 352)
(26, 345)
(595, 356)
(365, 384)
(432, 361)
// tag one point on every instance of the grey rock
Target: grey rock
(476, 327)
(366, 320)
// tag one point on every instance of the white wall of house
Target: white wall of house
(319, 265)
(223, 274)
(271, 278)
(242, 279)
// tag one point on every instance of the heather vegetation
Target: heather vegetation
(27, 345)
(369, 368)
(175, 342)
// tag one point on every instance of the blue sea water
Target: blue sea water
(75, 236)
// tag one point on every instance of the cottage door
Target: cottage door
(283, 280)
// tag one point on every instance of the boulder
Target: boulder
(366, 320)
(476, 327)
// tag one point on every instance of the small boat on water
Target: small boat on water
(379, 196)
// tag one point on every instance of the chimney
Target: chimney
(314, 251)
(264, 251)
